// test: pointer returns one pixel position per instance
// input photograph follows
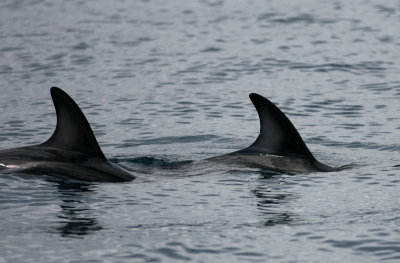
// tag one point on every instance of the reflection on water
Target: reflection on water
(165, 83)
(272, 200)
(76, 218)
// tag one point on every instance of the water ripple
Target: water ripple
(166, 82)
(169, 140)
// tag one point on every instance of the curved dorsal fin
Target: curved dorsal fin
(73, 132)
(277, 136)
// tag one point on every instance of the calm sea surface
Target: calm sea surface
(164, 82)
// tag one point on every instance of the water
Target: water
(166, 82)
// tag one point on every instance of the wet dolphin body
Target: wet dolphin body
(278, 147)
(72, 152)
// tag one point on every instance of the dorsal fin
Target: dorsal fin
(277, 136)
(73, 132)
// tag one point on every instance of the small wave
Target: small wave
(379, 88)
(211, 49)
(358, 68)
(304, 18)
(168, 140)
(379, 248)
(151, 161)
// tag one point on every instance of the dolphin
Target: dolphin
(72, 152)
(278, 147)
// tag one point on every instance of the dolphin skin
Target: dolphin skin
(72, 152)
(278, 147)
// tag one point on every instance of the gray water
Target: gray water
(165, 82)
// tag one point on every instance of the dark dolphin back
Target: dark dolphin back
(277, 136)
(73, 132)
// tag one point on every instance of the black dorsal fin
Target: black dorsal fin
(73, 132)
(277, 136)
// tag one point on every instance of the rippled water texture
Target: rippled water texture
(165, 82)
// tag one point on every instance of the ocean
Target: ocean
(167, 82)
